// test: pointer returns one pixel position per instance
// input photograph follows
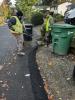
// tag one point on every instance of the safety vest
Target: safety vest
(48, 23)
(18, 26)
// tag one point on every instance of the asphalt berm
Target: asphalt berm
(20, 78)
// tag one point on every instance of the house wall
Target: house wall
(63, 7)
(62, 1)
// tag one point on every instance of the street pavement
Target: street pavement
(20, 78)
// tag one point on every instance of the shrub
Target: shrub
(37, 18)
(58, 17)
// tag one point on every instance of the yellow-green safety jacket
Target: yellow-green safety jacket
(18, 27)
(48, 23)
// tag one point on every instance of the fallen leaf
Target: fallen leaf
(8, 73)
(1, 81)
(4, 63)
(27, 75)
(72, 57)
(68, 79)
(50, 63)
(13, 54)
(9, 63)
(7, 89)
(50, 97)
(2, 98)
(1, 67)
(60, 98)
(39, 68)
(5, 81)
(22, 87)
(46, 86)
(15, 58)
(57, 92)
(15, 73)
(40, 86)
(4, 85)
(44, 80)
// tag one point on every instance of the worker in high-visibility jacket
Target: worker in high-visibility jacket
(48, 23)
(16, 28)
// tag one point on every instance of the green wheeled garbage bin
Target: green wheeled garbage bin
(62, 29)
(61, 38)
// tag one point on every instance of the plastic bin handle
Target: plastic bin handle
(70, 32)
(64, 37)
(55, 42)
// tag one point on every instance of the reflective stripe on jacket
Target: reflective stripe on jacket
(48, 23)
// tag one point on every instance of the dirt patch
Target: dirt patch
(57, 71)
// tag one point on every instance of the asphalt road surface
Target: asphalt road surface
(20, 78)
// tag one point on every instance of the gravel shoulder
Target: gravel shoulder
(57, 71)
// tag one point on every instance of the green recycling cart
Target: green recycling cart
(61, 38)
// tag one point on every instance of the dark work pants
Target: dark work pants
(48, 38)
